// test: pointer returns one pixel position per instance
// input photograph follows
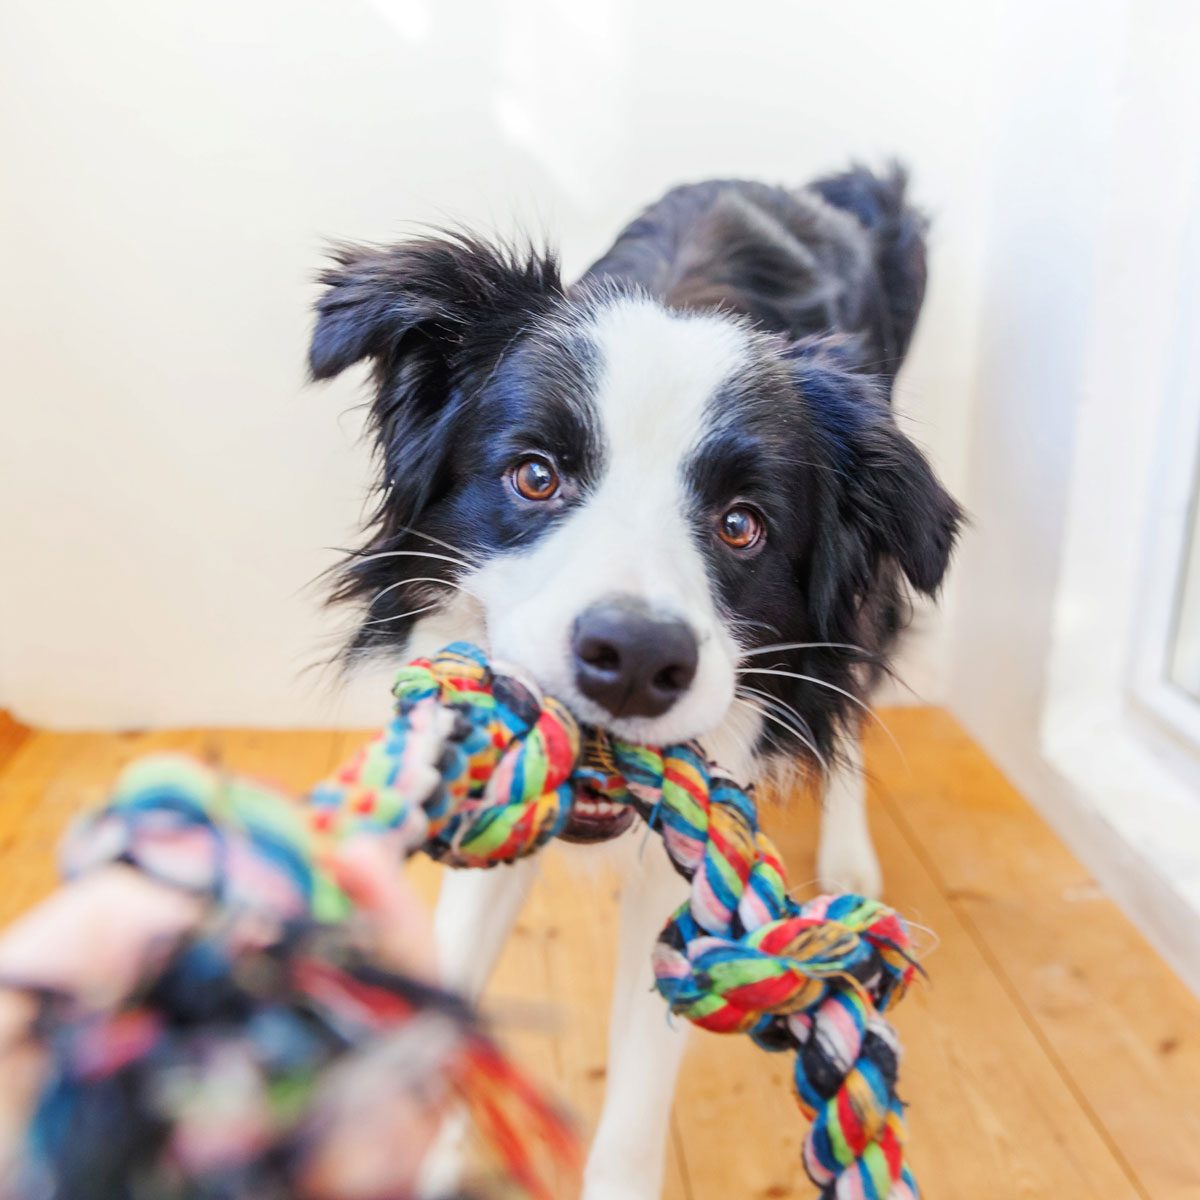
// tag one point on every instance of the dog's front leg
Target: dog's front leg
(645, 1044)
(846, 859)
(476, 910)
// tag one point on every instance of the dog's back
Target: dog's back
(844, 254)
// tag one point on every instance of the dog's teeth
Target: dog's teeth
(597, 809)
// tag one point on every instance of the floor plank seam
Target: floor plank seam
(685, 1172)
(1042, 1126)
(1017, 999)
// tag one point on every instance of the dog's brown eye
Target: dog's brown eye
(535, 479)
(741, 527)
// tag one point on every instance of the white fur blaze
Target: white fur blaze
(657, 376)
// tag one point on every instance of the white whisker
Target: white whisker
(391, 587)
(771, 716)
(780, 646)
(412, 612)
(739, 699)
(743, 744)
(459, 550)
(366, 558)
(776, 716)
(803, 737)
(736, 622)
(833, 688)
(800, 718)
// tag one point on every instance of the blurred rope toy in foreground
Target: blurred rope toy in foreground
(282, 1067)
(478, 768)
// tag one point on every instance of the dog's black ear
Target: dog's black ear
(375, 297)
(884, 502)
(432, 315)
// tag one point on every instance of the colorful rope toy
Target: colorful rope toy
(240, 1069)
(478, 768)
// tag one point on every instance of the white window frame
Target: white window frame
(1122, 739)
(1168, 544)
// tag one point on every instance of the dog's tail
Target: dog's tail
(880, 203)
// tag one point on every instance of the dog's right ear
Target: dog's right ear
(438, 290)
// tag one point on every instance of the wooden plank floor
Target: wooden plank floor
(1051, 1056)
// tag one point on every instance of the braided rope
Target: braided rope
(477, 769)
(502, 764)
(741, 955)
(238, 1064)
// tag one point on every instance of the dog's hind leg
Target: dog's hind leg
(846, 859)
(645, 1043)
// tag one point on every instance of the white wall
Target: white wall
(1088, 389)
(1051, 171)
(168, 486)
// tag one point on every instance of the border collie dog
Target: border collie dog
(674, 494)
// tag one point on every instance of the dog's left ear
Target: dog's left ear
(888, 503)
(376, 299)
(432, 316)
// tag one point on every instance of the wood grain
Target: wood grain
(991, 1116)
(12, 735)
(1119, 1026)
(1051, 1056)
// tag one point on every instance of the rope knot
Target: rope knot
(494, 766)
(504, 772)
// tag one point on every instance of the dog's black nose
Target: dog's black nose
(633, 662)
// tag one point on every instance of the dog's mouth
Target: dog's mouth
(595, 819)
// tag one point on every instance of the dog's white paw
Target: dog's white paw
(846, 860)
(614, 1189)
(445, 1164)
(638, 1176)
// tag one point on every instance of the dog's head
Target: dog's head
(666, 518)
